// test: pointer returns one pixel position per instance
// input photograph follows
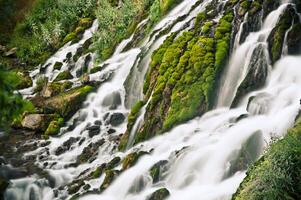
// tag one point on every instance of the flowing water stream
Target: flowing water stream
(205, 158)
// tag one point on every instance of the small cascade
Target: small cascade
(235, 73)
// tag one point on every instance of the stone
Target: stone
(65, 75)
(93, 130)
(116, 119)
(159, 194)
(55, 88)
(37, 122)
(57, 65)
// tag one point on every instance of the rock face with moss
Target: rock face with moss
(277, 174)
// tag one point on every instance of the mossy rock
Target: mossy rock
(40, 84)
(97, 173)
(130, 160)
(54, 127)
(37, 122)
(109, 178)
(96, 69)
(55, 88)
(294, 40)
(65, 75)
(71, 37)
(85, 22)
(57, 65)
(68, 103)
(159, 194)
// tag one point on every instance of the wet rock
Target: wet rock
(256, 76)
(78, 53)
(116, 119)
(98, 123)
(109, 178)
(160, 194)
(294, 40)
(66, 145)
(75, 188)
(111, 131)
(65, 75)
(112, 100)
(157, 169)
(130, 160)
(57, 65)
(113, 163)
(98, 171)
(90, 152)
(93, 130)
(37, 122)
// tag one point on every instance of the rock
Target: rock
(11, 53)
(159, 194)
(68, 103)
(157, 169)
(55, 88)
(98, 123)
(90, 152)
(110, 176)
(256, 76)
(65, 75)
(130, 160)
(85, 79)
(294, 40)
(37, 122)
(93, 130)
(98, 171)
(57, 65)
(113, 163)
(54, 127)
(116, 119)
(66, 145)
(112, 100)
(111, 131)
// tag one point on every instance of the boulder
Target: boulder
(37, 122)
(65, 75)
(159, 194)
(68, 103)
(116, 119)
(55, 88)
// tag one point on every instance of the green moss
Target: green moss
(159, 194)
(54, 127)
(65, 75)
(57, 66)
(277, 174)
(71, 37)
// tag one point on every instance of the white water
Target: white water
(239, 61)
(209, 145)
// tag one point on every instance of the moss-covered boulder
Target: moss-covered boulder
(57, 65)
(65, 75)
(159, 194)
(277, 174)
(55, 88)
(109, 178)
(54, 127)
(66, 104)
(71, 37)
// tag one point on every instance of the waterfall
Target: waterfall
(206, 157)
(238, 64)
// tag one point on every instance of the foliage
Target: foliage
(43, 29)
(12, 105)
(277, 174)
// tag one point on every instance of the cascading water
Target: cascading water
(198, 158)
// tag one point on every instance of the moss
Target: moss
(65, 75)
(98, 171)
(184, 74)
(276, 38)
(159, 194)
(70, 37)
(57, 66)
(277, 174)
(41, 82)
(96, 69)
(110, 176)
(130, 160)
(54, 127)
